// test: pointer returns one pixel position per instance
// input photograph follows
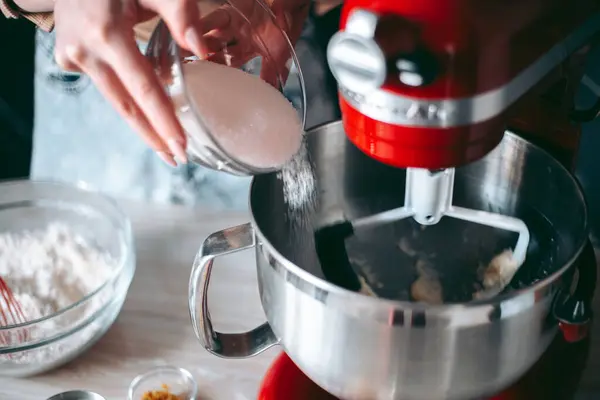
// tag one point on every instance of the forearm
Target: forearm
(35, 6)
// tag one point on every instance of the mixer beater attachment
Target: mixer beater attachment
(428, 198)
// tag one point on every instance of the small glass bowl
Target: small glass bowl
(176, 380)
(267, 43)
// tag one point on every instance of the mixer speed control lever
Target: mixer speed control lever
(355, 59)
(372, 48)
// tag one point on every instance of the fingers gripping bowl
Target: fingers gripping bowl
(229, 116)
(46, 342)
(360, 347)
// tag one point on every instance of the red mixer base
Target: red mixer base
(555, 376)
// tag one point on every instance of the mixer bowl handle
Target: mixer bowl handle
(226, 345)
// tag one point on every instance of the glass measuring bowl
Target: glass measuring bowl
(269, 47)
(177, 381)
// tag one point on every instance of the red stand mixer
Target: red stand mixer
(430, 86)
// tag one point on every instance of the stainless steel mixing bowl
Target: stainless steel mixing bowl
(363, 348)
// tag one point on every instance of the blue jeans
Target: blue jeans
(78, 137)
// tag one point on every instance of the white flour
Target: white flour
(48, 270)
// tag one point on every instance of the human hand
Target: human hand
(96, 38)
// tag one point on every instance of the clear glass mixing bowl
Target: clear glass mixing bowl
(270, 48)
(62, 336)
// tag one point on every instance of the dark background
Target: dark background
(16, 97)
(588, 165)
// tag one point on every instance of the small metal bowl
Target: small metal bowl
(179, 381)
(76, 395)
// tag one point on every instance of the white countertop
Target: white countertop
(154, 326)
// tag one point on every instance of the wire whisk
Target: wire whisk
(11, 313)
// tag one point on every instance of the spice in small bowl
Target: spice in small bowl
(164, 383)
(163, 394)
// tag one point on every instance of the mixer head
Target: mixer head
(432, 84)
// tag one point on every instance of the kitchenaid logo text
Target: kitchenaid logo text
(393, 109)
